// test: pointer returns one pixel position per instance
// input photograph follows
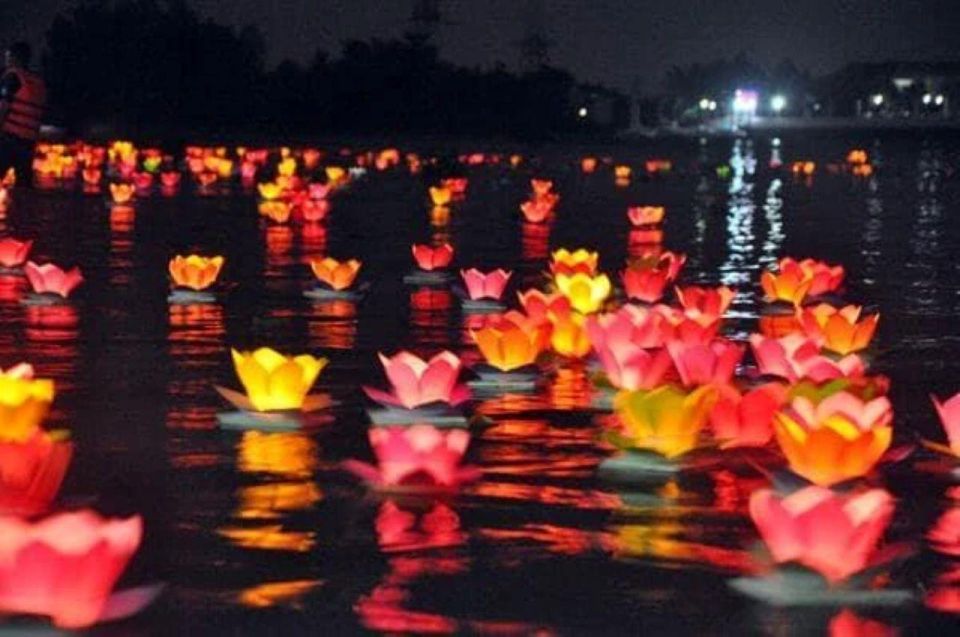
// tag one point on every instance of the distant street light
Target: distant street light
(877, 99)
(939, 99)
(704, 104)
(582, 112)
(927, 98)
(778, 103)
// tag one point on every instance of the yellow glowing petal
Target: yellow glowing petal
(269, 359)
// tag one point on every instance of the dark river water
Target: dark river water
(264, 533)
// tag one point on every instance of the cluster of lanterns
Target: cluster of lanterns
(673, 389)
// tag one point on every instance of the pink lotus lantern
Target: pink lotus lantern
(795, 357)
(630, 325)
(705, 364)
(833, 534)
(13, 253)
(417, 383)
(949, 413)
(689, 327)
(541, 187)
(706, 301)
(318, 191)
(418, 456)
(429, 258)
(50, 279)
(489, 285)
(746, 419)
(536, 210)
(627, 364)
(643, 284)
(65, 566)
(314, 209)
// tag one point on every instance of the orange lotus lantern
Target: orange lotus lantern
(666, 420)
(91, 176)
(122, 193)
(790, 285)
(538, 305)
(622, 172)
(314, 210)
(658, 166)
(836, 439)
(50, 279)
(440, 195)
(857, 156)
(65, 567)
(541, 187)
(194, 271)
(588, 165)
(14, 253)
(831, 533)
(826, 278)
(646, 215)
(335, 175)
(337, 275)
(536, 210)
(586, 293)
(570, 262)
(430, 259)
(511, 342)
(838, 330)
(805, 168)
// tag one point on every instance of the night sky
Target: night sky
(616, 42)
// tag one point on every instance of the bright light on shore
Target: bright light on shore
(877, 99)
(778, 103)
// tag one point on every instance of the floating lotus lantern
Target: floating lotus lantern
(65, 567)
(646, 278)
(270, 191)
(836, 438)
(335, 278)
(142, 183)
(658, 166)
(805, 168)
(431, 262)
(568, 335)
(24, 402)
(51, 284)
(586, 293)
(510, 345)
(193, 274)
(641, 216)
(484, 289)
(826, 278)
(538, 305)
(91, 178)
(314, 210)
(276, 211)
(705, 364)
(745, 419)
(619, 343)
(122, 194)
(537, 210)
(833, 534)
(570, 262)
(795, 357)
(588, 165)
(31, 470)
(13, 253)
(4, 199)
(440, 196)
(622, 172)
(417, 457)
(837, 330)
(949, 414)
(689, 326)
(857, 156)
(273, 383)
(336, 176)
(790, 285)
(419, 389)
(712, 302)
(666, 420)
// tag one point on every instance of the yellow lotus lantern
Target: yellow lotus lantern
(276, 211)
(335, 174)
(287, 167)
(564, 261)
(24, 403)
(569, 335)
(666, 420)
(586, 293)
(194, 271)
(270, 190)
(276, 382)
